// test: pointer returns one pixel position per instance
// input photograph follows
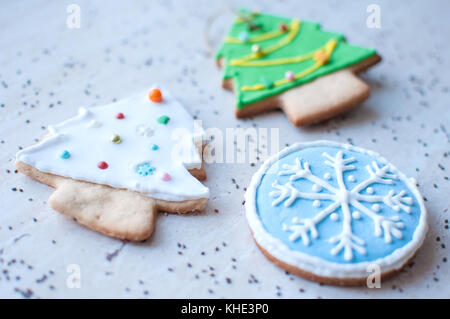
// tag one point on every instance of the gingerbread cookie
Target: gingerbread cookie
(117, 165)
(329, 212)
(273, 62)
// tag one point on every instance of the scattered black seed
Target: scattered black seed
(228, 280)
(42, 279)
(28, 293)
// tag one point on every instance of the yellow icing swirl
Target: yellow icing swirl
(320, 56)
(262, 37)
(294, 29)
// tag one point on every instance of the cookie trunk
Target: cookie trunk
(324, 98)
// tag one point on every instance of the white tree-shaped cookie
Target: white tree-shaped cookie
(145, 144)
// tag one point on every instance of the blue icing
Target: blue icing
(273, 217)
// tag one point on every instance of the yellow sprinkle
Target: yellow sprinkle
(321, 57)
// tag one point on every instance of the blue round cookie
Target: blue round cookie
(331, 212)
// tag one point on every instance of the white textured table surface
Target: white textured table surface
(48, 70)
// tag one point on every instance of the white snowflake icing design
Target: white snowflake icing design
(306, 228)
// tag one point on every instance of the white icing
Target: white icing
(316, 188)
(93, 124)
(334, 217)
(145, 130)
(356, 215)
(276, 248)
(327, 176)
(351, 179)
(89, 143)
(376, 207)
(370, 190)
(316, 203)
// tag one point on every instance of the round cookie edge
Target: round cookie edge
(319, 268)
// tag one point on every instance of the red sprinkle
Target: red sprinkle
(120, 116)
(102, 165)
(283, 27)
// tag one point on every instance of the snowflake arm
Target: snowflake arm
(389, 226)
(346, 240)
(340, 165)
(302, 170)
(396, 202)
(289, 193)
(377, 175)
(303, 226)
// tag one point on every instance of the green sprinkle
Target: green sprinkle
(267, 83)
(163, 119)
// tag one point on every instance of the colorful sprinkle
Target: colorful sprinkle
(154, 147)
(163, 119)
(155, 95)
(321, 57)
(145, 169)
(289, 75)
(166, 177)
(120, 116)
(256, 48)
(283, 27)
(102, 165)
(267, 83)
(243, 36)
(64, 154)
(115, 138)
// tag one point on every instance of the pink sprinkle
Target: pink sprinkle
(120, 116)
(102, 165)
(166, 177)
(289, 75)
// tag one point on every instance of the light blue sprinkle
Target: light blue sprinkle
(145, 169)
(154, 147)
(243, 36)
(64, 154)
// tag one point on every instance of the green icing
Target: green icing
(309, 38)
